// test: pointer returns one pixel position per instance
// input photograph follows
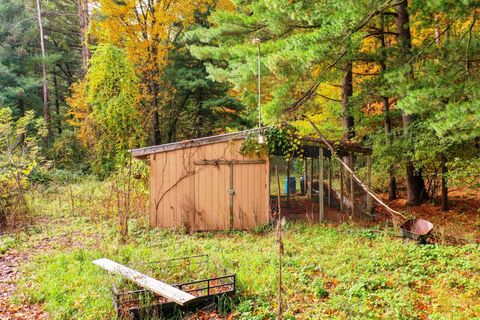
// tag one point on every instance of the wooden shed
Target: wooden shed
(207, 184)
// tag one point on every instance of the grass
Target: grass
(6, 243)
(329, 272)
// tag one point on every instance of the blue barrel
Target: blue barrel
(290, 185)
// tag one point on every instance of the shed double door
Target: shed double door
(231, 194)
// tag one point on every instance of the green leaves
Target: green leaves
(298, 38)
(282, 140)
(19, 155)
(112, 93)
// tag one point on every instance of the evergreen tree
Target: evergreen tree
(198, 105)
(414, 62)
(19, 80)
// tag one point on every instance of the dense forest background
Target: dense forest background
(84, 81)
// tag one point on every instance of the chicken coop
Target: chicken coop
(208, 184)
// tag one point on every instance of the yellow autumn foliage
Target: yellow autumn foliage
(146, 30)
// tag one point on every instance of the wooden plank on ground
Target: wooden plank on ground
(147, 282)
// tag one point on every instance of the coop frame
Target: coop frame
(190, 207)
(314, 153)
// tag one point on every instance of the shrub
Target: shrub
(19, 156)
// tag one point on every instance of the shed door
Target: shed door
(250, 201)
(211, 197)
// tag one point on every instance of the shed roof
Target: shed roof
(308, 142)
(143, 152)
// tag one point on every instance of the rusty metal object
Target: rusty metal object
(417, 229)
(209, 288)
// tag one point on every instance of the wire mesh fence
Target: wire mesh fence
(310, 183)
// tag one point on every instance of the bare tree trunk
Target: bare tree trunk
(172, 131)
(171, 136)
(84, 21)
(444, 172)
(46, 111)
(387, 121)
(443, 158)
(415, 185)
(348, 120)
(392, 181)
(157, 138)
(57, 102)
(347, 92)
(21, 104)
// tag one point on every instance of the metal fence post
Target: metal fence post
(320, 185)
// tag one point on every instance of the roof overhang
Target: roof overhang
(142, 153)
(311, 144)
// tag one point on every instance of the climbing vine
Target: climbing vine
(280, 140)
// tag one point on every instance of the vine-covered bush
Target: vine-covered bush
(19, 155)
(105, 109)
(282, 140)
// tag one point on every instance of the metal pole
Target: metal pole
(310, 180)
(259, 90)
(330, 181)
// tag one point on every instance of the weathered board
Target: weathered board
(147, 282)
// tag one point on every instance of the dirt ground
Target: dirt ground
(9, 273)
(459, 225)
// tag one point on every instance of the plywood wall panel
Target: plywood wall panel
(196, 196)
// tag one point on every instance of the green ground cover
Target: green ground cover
(330, 272)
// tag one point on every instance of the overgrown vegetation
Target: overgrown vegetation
(399, 76)
(19, 142)
(108, 109)
(344, 273)
(281, 140)
(402, 77)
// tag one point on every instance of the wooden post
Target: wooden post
(231, 193)
(280, 251)
(305, 178)
(352, 185)
(288, 184)
(310, 180)
(329, 182)
(340, 168)
(320, 185)
(369, 183)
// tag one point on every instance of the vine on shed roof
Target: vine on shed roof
(280, 140)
